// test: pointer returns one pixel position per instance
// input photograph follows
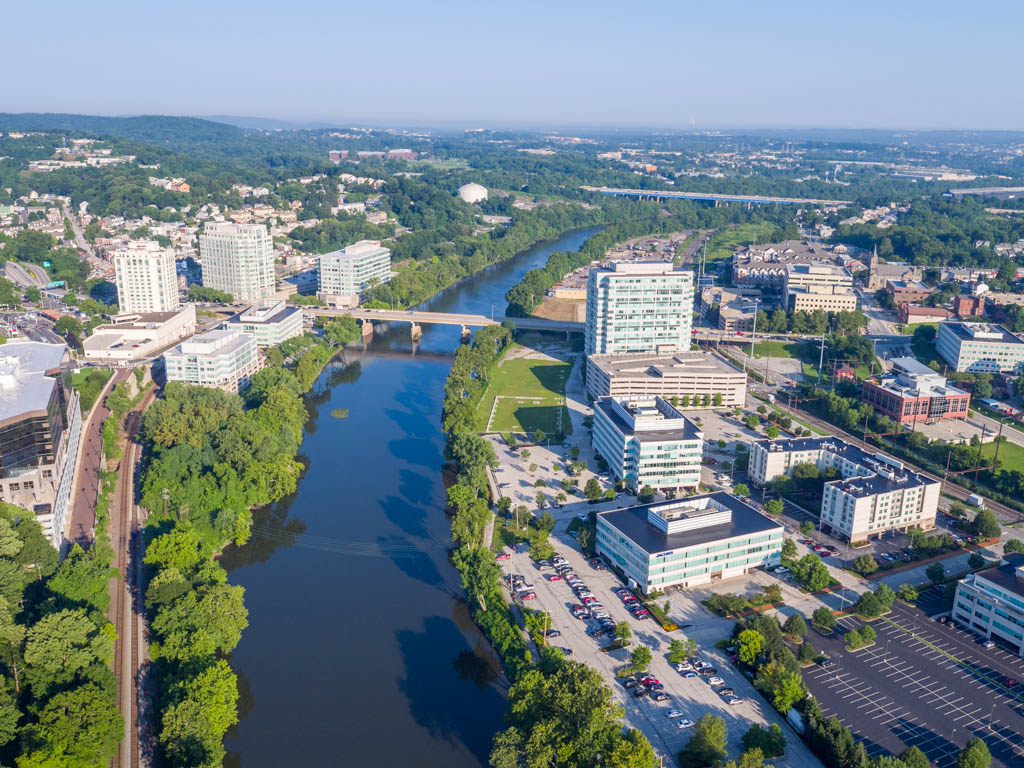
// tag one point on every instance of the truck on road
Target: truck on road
(976, 501)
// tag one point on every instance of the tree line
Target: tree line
(211, 457)
(556, 707)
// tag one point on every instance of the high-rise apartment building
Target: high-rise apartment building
(345, 275)
(221, 359)
(238, 259)
(145, 277)
(635, 307)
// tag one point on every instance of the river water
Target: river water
(358, 651)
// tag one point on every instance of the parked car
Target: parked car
(554, 577)
(528, 596)
(988, 644)
(672, 714)
(684, 667)
(661, 696)
(684, 724)
(502, 556)
(826, 662)
(708, 672)
(716, 680)
(726, 692)
(639, 692)
(566, 651)
(553, 633)
(689, 674)
(733, 700)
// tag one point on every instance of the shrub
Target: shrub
(865, 565)
(795, 626)
(823, 618)
(868, 606)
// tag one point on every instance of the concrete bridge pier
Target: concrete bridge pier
(415, 331)
(366, 326)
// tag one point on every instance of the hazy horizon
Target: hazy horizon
(917, 66)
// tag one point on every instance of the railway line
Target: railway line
(128, 597)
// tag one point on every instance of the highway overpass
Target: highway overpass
(661, 194)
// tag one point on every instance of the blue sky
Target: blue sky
(683, 64)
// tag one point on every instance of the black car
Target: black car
(552, 633)
(639, 692)
(659, 696)
(826, 662)
(630, 684)
(566, 651)
(708, 672)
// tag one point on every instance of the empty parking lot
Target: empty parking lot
(926, 685)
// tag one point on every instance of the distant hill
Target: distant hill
(158, 129)
(267, 123)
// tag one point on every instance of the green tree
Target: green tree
(975, 561)
(1013, 546)
(68, 326)
(341, 331)
(885, 595)
(646, 495)
(741, 490)
(975, 754)
(707, 744)
(771, 740)
(592, 490)
(806, 652)
(865, 564)
(774, 507)
(750, 645)
(539, 436)
(77, 727)
(807, 527)
(789, 549)
(623, 633)
(202, 708)
(823, 618)
(868, 606)
(771, 432)
(33, 294)
(201, 623)
(907, 593)
(935, 572)
(62, 644)
(795, 626)
(985, 525)
(913, 757)
(641, 657)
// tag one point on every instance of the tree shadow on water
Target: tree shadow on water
(458, 701)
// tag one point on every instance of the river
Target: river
(358, 650)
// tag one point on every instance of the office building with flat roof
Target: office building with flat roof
(691, 375)
(980, 348)
(269, 322)
(818, 286)
(990, 603)
(137, 335)
(639, 307)
(346, 275)
(765, 264)
(646, 441)
(40, 429)
(146, 278)
(913, 392)
(908, 291)
(238, 259)
(221, 359)
(688, 542)
(874, 493)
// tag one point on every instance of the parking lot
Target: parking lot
(923, 684)
(693, 696)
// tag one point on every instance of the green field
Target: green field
(807, 352)
(909, 329)
(1011, 456)
(723, 243)
(532, 396)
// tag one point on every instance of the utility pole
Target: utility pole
(999, 437)
(981, 444)
(821, 357)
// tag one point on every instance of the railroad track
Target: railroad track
(1005, 513)
(128, 600)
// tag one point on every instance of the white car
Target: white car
(684, 724)
(599, 615)
(716, 680)
(672, 714)
(684, 667)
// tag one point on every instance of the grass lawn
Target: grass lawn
(909, 329)
(1011, 456)
(532, 396)
(723, 243)
(89, 384)
(924, 351)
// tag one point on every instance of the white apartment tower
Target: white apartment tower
(345, 275)
(238, 259)
(145, 277)
(639, 307)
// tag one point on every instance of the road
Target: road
(26, 275)
(80, 240)
(87, 472)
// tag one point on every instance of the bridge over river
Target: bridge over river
(417, 317)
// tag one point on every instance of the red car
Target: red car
(1009, 682)
(528, 596)
(627, 599)
(554, 577)
(502, 556)
(640, 612)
